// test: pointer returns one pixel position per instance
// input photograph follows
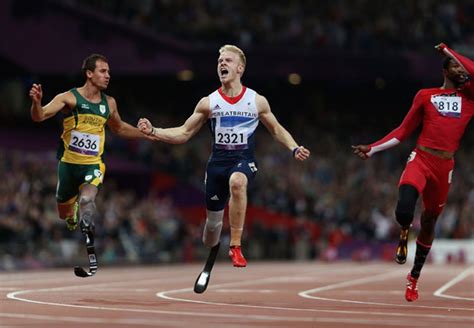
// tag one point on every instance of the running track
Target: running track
(275, 294)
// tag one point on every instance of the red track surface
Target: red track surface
(283, 294)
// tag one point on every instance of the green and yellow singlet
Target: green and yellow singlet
(83, 137)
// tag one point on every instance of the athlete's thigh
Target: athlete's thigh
(415, 173)
(71, 178)
(247, 167)
(437, 189)
(217, 185)
(92, 174)
(67, 187)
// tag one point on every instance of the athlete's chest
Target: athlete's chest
(451, 109)
(100, 110)
(245, 108)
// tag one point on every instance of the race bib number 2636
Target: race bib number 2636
(84, 143)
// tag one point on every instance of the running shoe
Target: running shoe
(238, 260)
(411, 293)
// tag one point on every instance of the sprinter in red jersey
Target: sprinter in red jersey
(444, 114)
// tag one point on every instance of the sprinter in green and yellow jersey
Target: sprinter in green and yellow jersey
(87, 110)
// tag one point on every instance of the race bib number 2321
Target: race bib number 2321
(230, 138)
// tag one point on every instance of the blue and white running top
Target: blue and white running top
(233, 124)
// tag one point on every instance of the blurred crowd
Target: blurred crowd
(342, 198)
(346, 198)
(357, 25)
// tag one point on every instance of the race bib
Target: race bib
(448, 106)
(84, 143)
(230, 138)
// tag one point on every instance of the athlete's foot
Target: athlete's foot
(72, 221)
(402, 248)
(411, 293)
(238, 260)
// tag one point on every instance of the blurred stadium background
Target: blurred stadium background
(335, 72)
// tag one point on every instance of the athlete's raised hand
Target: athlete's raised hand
(440, 47)
(144, 125)
(361, 151)
(36, 93)
(301, 153)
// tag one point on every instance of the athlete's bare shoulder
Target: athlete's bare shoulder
(111, 100)
(262, 104)
(68, 99)
(67, 95)
(203, 106)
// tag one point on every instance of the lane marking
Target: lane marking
(263, 291)
(16, 296)
(440, 292)
(165, 295)
(366, 280)
(90, 320)
(153, 322)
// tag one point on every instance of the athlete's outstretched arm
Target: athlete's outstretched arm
(465, 62)
(40, 113)
(119, 127)
(410, 123)
(277, 131)
(180, 134)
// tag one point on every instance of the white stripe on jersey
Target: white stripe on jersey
(388, 144)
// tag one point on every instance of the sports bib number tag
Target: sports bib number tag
(84, 143)
(230, 138)
(447, 106)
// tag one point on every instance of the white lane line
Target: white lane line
(165, 295)
(91, 320)
(238, 291)
(15, 296)
(366, 280)
(239, 317)
(349, 283)
(180, 323)
(449, 284)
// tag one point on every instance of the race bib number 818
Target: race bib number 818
(447, 106)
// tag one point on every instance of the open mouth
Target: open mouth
(462, 78)
(224, 72)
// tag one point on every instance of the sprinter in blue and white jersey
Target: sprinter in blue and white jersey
(234, 112)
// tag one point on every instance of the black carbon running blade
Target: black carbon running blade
(93, 266)
(203, 279)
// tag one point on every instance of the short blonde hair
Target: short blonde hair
(234, 49)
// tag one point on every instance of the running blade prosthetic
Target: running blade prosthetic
(203, 279)
(88, 232)
(402, 248)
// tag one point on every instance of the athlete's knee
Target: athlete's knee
(212, 228)
(87, 209)
(408, 195)
(65, 210)
(428, 221)
(238, 183)
(85, 200)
